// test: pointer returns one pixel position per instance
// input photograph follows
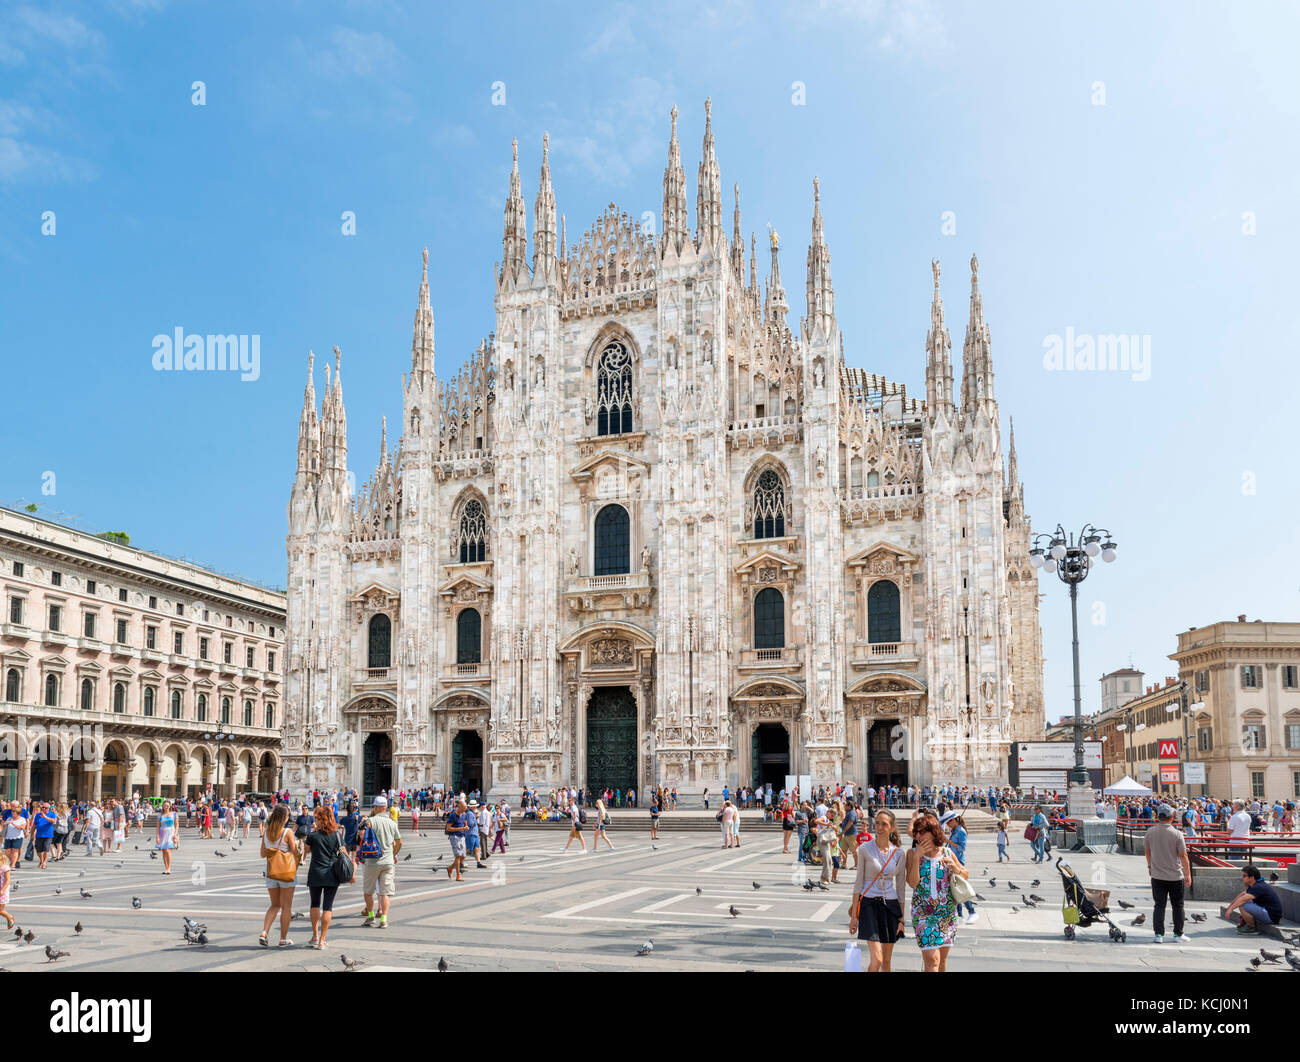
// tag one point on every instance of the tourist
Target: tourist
(724, 817)
(787, 825)
(876, 911)
(1240, 822)
(1002, 842)
(802, 820)
(654, 815)
(282, 855)
(119, 824)
(325, 842)
(1036, 834)
(931, 865)
(94, 822)
(826, 838)
(602, 820)
(706, 796)
(473, 844)
(956, 827)
(735, 828)
(42, 830)
(15, 833)
(6, 874)
(1259, 904)
(379, 847)
(61, 830)
(1169, 871)
(499, 822)
(848, 830)
(484, 828)
(166, 836)
(576, 818)
(456, 828)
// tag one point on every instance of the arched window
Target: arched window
(119, 698)
(51, 690)
(225, 709)
(613, 548)
(149, 695)
(87, 695)
(469, 637)
(614, 390)
(769, 619)
(769, 506)
(201, 709)
(884, 620)
(13, 685)
(176, 704)
(248, 713)
(381, 637)
(873, 479)
(471, 535)
(270, 717)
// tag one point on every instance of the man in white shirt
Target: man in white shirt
(1239, 824)
(94, 820)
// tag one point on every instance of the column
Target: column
(24, 778)
(61, 781)
(182, 779)
(96, 772)
(157, 780)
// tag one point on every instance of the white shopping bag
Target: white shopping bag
(852, 957)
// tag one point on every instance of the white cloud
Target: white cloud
(26, 161)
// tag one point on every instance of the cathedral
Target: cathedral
(650, 534)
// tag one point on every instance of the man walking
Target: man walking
(380, 844)
(457, 828)
(1169, 870)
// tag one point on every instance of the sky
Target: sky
(1120, 170)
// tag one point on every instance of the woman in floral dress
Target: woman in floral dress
(930, 869)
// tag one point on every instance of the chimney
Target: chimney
(1241, 618)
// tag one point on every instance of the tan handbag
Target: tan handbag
(280, 865)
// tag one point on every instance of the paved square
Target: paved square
(538, 908)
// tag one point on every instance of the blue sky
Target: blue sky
(1169, 211)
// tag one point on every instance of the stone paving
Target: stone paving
(539, 909)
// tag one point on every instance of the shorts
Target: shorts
(43, 843)
(322, 896)
(878, 919)
(575, 831)
(848, 842)
(787, 826)
(17, 842)
(1260, 915)
(271, 883)
(457, 846)
(379, 879)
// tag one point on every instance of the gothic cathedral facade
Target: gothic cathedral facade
(650, 535)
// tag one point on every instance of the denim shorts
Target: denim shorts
(1260, 915)
(271, 883)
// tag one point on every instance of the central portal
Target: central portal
(377, 765)
(611, 739)
(770, 754)
(467, 761)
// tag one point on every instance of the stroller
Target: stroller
(1082, 907)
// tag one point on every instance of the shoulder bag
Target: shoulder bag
(281, 865)
(344, 869)
(960, 888)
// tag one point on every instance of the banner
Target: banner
(1195, 774)
(1049, 755)
(1169, 773)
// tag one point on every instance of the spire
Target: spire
(976, 356)
(938, 361)
(564, 240)
(821, 295)
(1013, 470)
(309, 425)
(737, 240)
(777, 307)
(753, 268)
(514, 245)
(674, 212)
(708, 198)
(383, 443)
(544, 261)
(422, 334)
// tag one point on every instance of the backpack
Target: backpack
(582, 816)
(370, 846)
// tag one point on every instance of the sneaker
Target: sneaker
(1181, 938)
(1246, 930)
(972, 918)
(369, 920)
(1159, 938)
(383, 922)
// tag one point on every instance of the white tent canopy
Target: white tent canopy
(1127, 787)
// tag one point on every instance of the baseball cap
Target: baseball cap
(381, 802)
(1165, 811)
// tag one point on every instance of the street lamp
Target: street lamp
(1071, 557)
(219, 737)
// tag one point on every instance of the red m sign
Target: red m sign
(1168, 749)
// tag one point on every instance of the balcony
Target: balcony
(91, 645)
(122, 649)
(203, 665)
(15, 630)
(178, 660)
(373, 678)
(884, 654)
(786, 659)
(465, 672)
(270, 676)
(227, 668)
(55, 638)
(597, 593)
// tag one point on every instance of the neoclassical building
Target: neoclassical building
(649, 533)
(123, 671)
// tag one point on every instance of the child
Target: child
(1002, 842)
(4, 893)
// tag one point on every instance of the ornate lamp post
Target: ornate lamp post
(1071, 558)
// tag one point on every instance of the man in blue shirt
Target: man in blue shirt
(457, 827)
(43, 823)
(1259, 903)
(472, 841)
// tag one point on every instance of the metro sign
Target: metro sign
(1168, 749)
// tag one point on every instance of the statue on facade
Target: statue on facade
(647, 558)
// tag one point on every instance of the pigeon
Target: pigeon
(78, 928)
(699, 891)
(1128, 906)
(1293, 961)
(1251, 969)
(1197, 916)
(153, 855)
(29, 936)
(646, 948)
(993, 882)
(1273, 876)
(1270, 956)
(1255, 962)
(86, 895)
(1035, 896)
(406, 857)
(221, 854)
(18, 933)
(58, 890)
(732, 911)
(521, 859)
(756, 885)
(439, 859)
(1138, 920)
(53, 955)
(350, 964)
(808, 886)
(655, 847)
(119, 866)
(1015, 909)
(442, 965)
(137, 848)
(1029, 902)
(135, 902)
(978, 896)
(1034, 882)
(1012, 886)
(822, 885)
(81, 873)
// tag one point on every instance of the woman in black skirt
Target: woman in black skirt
(876, 912)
